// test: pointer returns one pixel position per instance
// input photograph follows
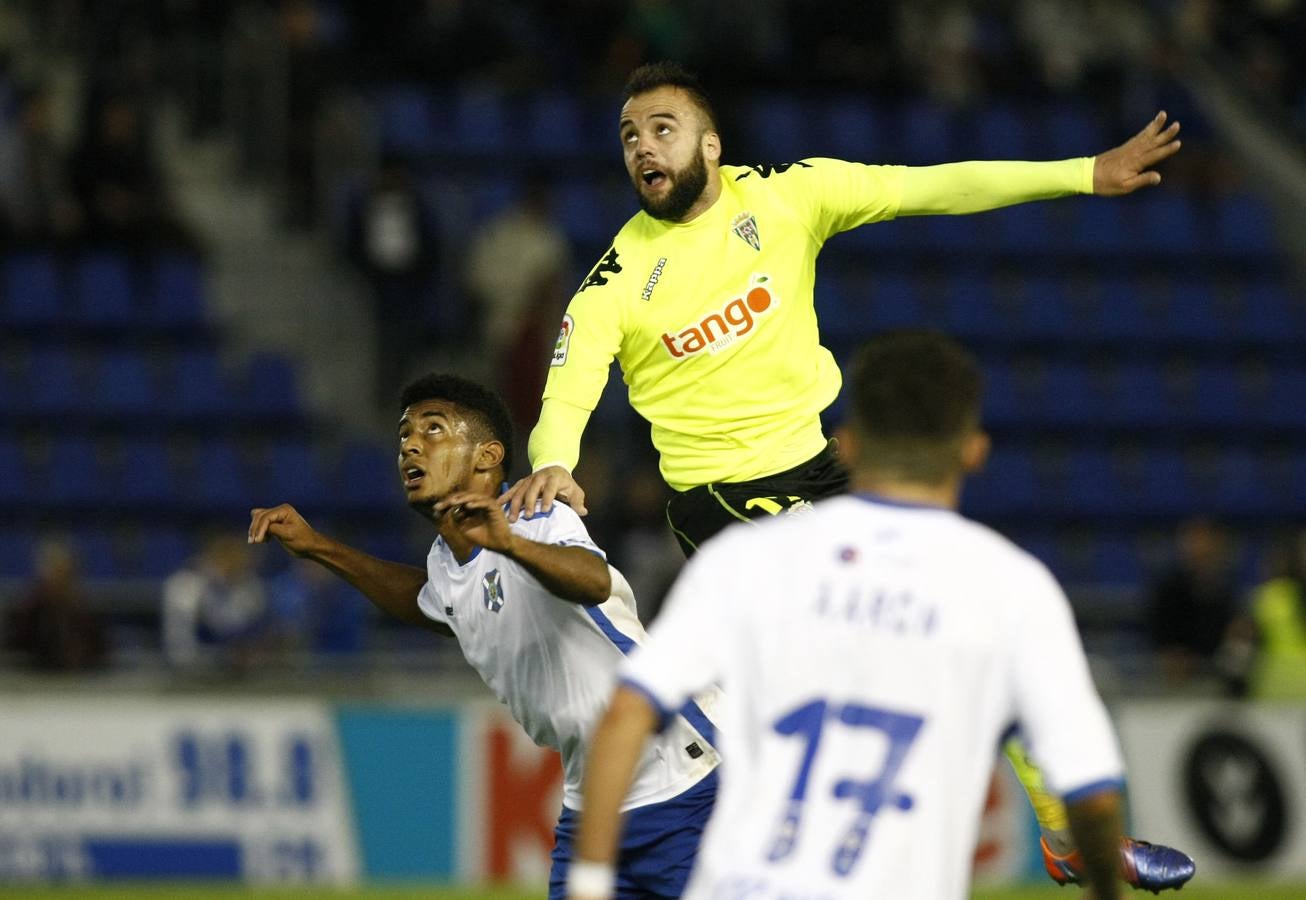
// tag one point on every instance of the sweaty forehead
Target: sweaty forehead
(666, 100)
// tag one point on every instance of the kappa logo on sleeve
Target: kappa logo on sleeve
(563, 342)
(608, 265)
(766, 170)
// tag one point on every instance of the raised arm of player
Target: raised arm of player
(392, 587)
(554, 449)
(571, 573)
(970, 187)
(614, 752)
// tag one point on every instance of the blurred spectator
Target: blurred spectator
(315, 611)
(216, 612)
(1279, 614)
(393, 240)
(118, 179)
(516, 274)
(51, 628)
(36, 201)
(1192, 603)
(309, 65)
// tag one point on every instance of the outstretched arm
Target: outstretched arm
(571, 573)
(392, 587)
(969, 187)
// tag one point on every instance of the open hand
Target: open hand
(544, 486)
(1128, 167)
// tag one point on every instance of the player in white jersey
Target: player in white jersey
(537, 611)
(874, 653)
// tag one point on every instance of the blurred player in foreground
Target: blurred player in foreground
(873, 656)
(537, 611)
(705, 299)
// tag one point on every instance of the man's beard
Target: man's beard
(687, 186)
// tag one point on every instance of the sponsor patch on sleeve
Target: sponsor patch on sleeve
(563, 342)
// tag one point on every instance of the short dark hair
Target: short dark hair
(915, 395)
(670, 74)
(484, 408)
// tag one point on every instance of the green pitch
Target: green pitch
(1229, 891)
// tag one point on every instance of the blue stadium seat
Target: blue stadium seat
(160, 551)
(293, 473)
(1166, 487)
(1070, 131)
(367, 477)
(145, 475)
(271, 385)
(925, 134)
(104, 290)
(198, 387)
(1218, 397)
(1003, 403)
(1090, 484)
(1116, 561)
(52, 380)
(217, 479)
(15, 480)
(839, 318)
(17, 552)
(1046, 313)
(1168, 223)
(404, 121)
(952, 234)
(176, 291)
(482, 120)
(972, 309)
(1008, 486)
(1101, 226)
(1137, 395)
(1243, 486)
(125, 384)
(1285, 405)
(779, 129)
(97, 555)
(1244, 226)
(1002, 132)
(487, 197)
(73, 474)
(581, 214)
(894, 302)
(1070, 395)
(1119, 312)
(853, 129)
(1024, 228)
(555, 125)
(1194, 316)
(1270, 315)
(33, 294)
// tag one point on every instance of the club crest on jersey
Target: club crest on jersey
(492, 591)
(745, 225)
(721, 328)
(563, 342)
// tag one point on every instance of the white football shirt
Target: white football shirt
(553, 662)
(872, 658)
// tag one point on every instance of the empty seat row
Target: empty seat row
(102, 289)
(1092, 482)
(974, 305)
(213, 475)
(116, 383)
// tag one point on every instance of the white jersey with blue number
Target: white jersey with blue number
(872, 658)
(553, 662)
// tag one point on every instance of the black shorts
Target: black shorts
(698, 513)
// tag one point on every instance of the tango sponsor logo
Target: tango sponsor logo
(720, 329)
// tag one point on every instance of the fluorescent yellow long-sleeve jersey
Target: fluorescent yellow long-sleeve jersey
(712, 321)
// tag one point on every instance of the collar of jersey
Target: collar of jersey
(444, 547)
(709, 216)
(881, 500)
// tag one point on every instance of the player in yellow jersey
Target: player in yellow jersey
(705, 300)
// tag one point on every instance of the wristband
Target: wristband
(590, 880)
